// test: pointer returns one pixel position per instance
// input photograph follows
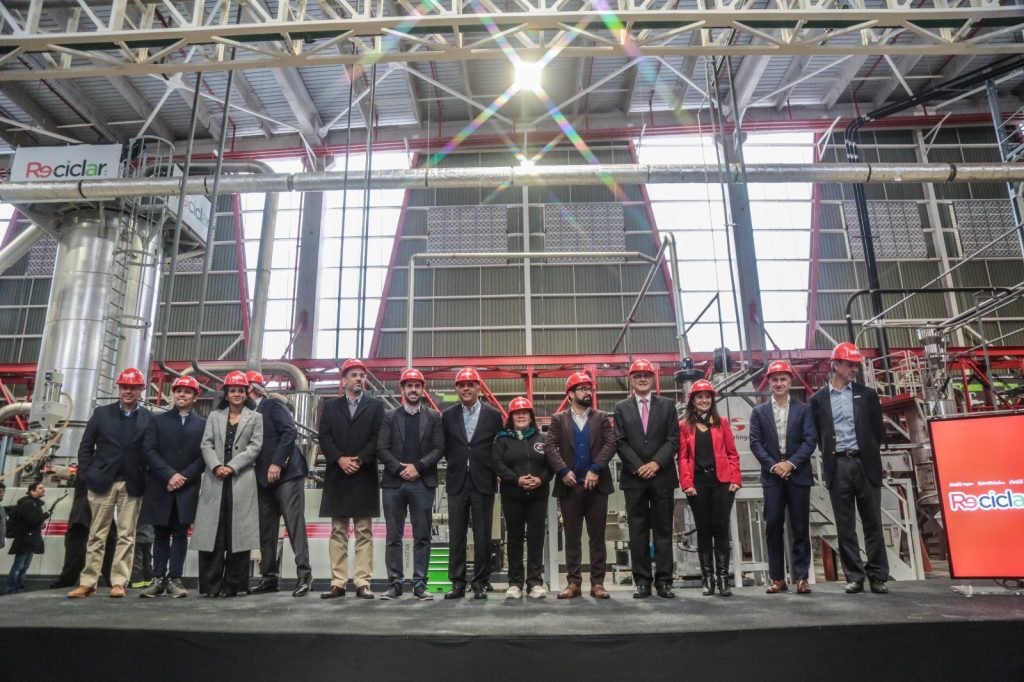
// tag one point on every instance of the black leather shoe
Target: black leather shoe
(302, 587)
(480, 592)
(394, 592)
(854, 587)
(642, 592)
(264, 586)
(420, 592)
(226, 593)
(879, 587)
(457, 592)
(333, 593)
(665, 591)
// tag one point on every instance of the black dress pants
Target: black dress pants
(778, 498)
(224, 571)
(650, 511)
(712, 508)
(525, 517)
(579, 506)
(287, 499)
(462, 507)
(170, 546)
(851, 492)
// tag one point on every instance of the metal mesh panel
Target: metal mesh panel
(466, 229)
(895, 226)
(42, 258)
(584, 227)
(980, 222)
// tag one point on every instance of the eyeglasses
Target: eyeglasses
(585, 389)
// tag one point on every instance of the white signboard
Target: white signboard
(74, 162)
(197, 211)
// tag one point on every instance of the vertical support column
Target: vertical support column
(307, 273)
(141, 296)
(527, 283)
(1001, 142)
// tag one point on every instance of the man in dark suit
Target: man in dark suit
(349, 427)
(580, 443)
(848, 416)
(172, 449)
(469, 431)
(647, 433)
(410, 444)
(110, 461)
(782, 438)
(281, 475)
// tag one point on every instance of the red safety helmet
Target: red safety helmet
(780, 366)
(467, 374)
(411, 375)
(236, 378)
(847, 351)
(578, 379)
(254, 377)
(641, 365)
(520, 403)
(701, 385)
(352, 363)
(131, 377)
(186, 382)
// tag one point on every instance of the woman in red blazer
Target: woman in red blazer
(709, 473)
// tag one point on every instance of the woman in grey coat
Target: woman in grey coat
(227, 522)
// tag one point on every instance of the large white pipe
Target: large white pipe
(20, 246)
(629, 174)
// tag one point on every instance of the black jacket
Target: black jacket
(102, 452)
(473, 457)
(355, 495)
(867, 424)
(512, 458)
(279, 447)
(172, 448)
(28, 526)
(391, 446)
(561, 450)
(660, 443)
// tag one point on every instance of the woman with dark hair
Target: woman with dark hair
(709, 473)
(27, 526)
(519, 461)
(227, 522)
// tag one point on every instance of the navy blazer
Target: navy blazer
(102, 452)
(172, 448)
(867, 424)
(801, 439)
(474, 456)
(279, 447)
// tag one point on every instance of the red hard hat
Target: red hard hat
(467, 374)
(131, 377)
(236, 378)
(412, 375)
(847, 351)
(780, 366)
(352, 363)
(520, 403)
(698, 386)
(186, 382)
(578, 379)
(254, 377)
(641, 365)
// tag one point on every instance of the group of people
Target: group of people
(234, 475)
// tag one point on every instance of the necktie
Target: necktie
(643, 413)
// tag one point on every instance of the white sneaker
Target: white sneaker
(513, 593)
(538, 592)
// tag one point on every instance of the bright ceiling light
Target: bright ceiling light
(528, 76)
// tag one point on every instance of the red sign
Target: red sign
(979, 463)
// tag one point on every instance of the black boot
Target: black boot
(722, 569)
(707, 571)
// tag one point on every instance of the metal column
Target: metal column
(307, 273)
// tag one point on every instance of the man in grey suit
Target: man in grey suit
(647, 431)
(409, 446)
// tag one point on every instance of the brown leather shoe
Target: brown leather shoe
(777, 586)
(81, 592)
(364, 592)
(570, 592)
(598, 592)
(117, 591)
(803, 587)
(334, 593)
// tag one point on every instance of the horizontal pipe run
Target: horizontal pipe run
(451, 178)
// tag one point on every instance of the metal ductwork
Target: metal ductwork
(142, 282)
(12, 410)
(630, 174)
(20, 246)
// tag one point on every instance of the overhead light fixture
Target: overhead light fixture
(528, 76)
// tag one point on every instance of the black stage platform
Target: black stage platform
(921, 631)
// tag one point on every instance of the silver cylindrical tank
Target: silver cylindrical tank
(142, 284)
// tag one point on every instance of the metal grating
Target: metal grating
(980, 222)
(584, 227)
(466, 229)
(42, 258)
(895, 226)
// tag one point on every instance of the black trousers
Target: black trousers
(463, 507)
(287, 499)
(779, 498)
(223, 570)
(591, 506)
(852, 492)
(170, 545)
(712, 507)
(650, 510)
(525, 518)
(418, 499)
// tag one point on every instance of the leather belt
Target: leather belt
(847, 453)
(706, 470)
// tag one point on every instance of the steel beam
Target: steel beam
(904, 65)
(19, 96)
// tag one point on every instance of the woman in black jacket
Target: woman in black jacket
(518, 460)
(28, 536)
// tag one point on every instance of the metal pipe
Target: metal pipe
(938, 290)
(261, 287)
(20, 246)
(648, 280)
(294, 373)
(516, 176)
(11, 410)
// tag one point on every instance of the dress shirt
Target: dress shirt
(580, 419)
(470, 416)
(842, 417)
(781, 414)
(353, 405)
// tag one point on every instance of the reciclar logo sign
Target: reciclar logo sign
(979, 463)
(73, 162)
